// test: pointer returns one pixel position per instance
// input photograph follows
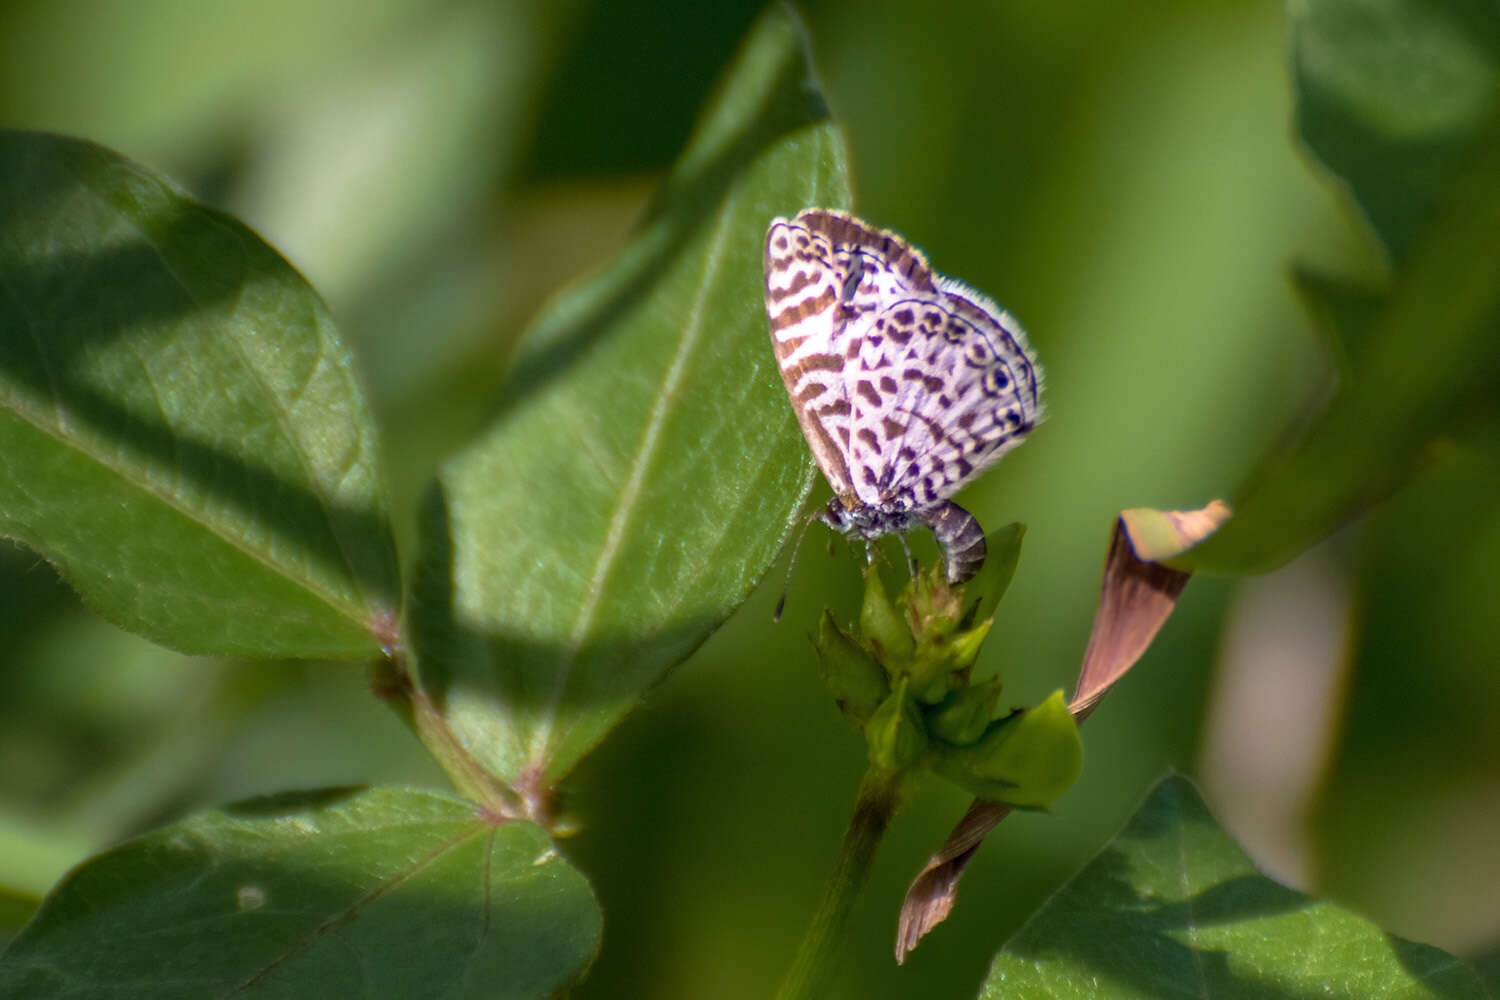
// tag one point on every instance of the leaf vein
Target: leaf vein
(630, 494)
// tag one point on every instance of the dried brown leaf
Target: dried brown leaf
(1139, 590)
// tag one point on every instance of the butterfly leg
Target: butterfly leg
(790, 565)
(961, 538)
(911, 562)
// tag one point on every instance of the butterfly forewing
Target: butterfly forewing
(804, 286)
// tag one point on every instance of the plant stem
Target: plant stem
(394, 684)
(879, 794)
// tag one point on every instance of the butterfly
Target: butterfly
(907, 384)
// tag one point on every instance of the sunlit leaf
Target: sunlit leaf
(644, 466)
(386, 892)
(183, 434)
(1173, 907)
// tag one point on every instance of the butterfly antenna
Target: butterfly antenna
(791, 564)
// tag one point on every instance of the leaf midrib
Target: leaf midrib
(344, 915)
(356, 614)
(629, 497)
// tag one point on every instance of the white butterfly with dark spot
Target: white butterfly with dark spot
(907, 384)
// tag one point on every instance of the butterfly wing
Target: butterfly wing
(805, 287)
(951, 386)
(906, 383)
(876, 269)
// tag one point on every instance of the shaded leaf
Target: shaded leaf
(1391, 96)
(184, 436)
(1343, 312)
(1427, 365)
(15, 909)
(385, 892)
(644, 467)
(1398, 98)
(1173, 907)
(1401, 824)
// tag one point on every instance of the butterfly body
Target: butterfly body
(907, 384)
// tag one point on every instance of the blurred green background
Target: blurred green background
(1124, 178)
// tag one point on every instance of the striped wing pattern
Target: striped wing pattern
(907, 384)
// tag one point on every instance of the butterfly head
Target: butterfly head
(849, 516)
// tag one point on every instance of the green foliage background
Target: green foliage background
(1124, 178)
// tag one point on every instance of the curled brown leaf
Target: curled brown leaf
(1138, 592)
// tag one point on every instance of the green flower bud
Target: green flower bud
(963, 647)
(941, 662)
(857, 682)
(935, 607)
(895, 736)
(881, 624)
(1027, 759)
(965, 714)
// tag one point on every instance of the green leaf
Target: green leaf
(1343, 312)
(644, 467)
(33, 855)
(1173, 907)
(858, 684)
(896, 736)
(881, 625)
(1428, 363)
(16, 908)
(962, 717)
(184, 436)
(1398, 97)
(1027, 759)
(1391, 95)
(993, 579)
(386, 892)
(1402, 825)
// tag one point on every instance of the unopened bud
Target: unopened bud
(965, 714)
(1028, 759)
(895, 735)
(857, 682)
